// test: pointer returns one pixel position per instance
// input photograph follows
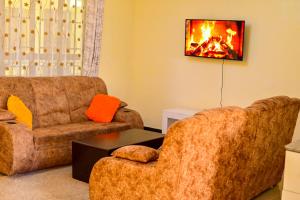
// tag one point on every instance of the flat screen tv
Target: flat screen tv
(222, 39)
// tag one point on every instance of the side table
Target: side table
(174, 114)
(291, 181)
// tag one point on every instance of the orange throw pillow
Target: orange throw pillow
(103, 108)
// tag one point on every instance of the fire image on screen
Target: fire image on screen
(222, 39)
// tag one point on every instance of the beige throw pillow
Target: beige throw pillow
(136, 153)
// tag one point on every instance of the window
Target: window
(41, 37)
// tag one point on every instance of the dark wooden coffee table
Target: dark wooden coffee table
(85, 153)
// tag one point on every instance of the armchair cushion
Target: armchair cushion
(5, 115)
(136, 153)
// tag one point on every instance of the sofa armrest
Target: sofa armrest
(6, 115)
(130, 116)
(115, 178)
(16, 148)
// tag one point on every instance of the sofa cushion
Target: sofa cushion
(52, 106)
(80, 92)
(62, 135)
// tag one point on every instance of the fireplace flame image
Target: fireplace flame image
(216, 39)
(229, 37)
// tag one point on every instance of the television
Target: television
(223, 39)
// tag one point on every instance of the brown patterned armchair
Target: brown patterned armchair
(58, 105)
(227, 153)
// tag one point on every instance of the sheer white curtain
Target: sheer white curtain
(92, 37)
(46, 37)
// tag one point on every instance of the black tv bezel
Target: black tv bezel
(243, 44)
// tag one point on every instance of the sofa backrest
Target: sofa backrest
(227, 153)
(272, 121)
(79, 92)
(53, 100)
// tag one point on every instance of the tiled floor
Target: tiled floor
(53, 184)
(272, 194)
(57, 184)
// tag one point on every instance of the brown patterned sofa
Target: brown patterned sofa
(58, 105)
(226, 153)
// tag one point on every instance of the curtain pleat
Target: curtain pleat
(92, 36)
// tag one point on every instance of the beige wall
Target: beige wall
(149, 70)
(116, 52)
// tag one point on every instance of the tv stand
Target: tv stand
(174, 114)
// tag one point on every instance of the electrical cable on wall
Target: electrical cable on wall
(222, 84)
